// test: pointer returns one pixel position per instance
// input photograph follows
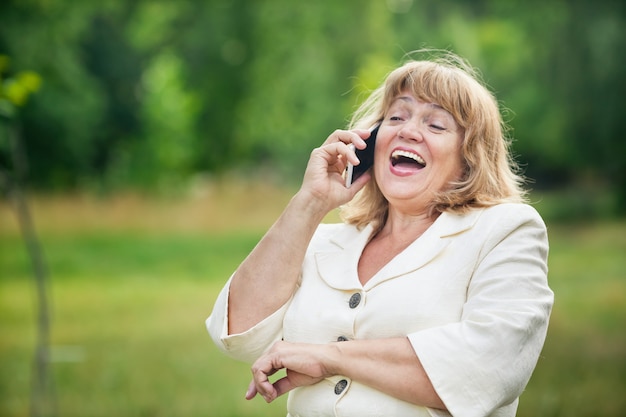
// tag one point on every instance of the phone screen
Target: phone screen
(366, 156)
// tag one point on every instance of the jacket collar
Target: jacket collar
(338, 266)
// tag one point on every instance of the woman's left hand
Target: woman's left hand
(303, 362)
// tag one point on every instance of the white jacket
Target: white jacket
(471, 294)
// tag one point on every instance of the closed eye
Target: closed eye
(438, 127)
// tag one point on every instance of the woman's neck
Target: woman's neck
(395, 236)
(401, 228)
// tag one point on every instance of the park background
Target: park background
(154, 141)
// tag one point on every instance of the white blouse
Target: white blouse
(471, 295)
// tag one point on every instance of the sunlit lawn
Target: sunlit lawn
(133, 279)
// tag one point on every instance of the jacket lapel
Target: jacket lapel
(338, 266)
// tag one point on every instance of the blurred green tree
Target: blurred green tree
(14, 93)
(149, 91)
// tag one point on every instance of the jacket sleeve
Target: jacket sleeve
(485, 360)
(249, 345)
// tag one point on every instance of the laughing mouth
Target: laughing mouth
(407, 158)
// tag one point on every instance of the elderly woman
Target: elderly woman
(431, 298)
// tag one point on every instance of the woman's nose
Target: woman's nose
(411, 130)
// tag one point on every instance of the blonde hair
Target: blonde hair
(490, 175)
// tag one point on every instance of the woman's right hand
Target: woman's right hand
(323, 181)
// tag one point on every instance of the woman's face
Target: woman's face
(418, 152)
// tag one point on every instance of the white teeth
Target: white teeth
(407, 154)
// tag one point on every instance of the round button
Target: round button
(355, 300)
(342, 339)
(340, 386)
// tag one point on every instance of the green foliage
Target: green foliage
(146, 92)
(16, 90)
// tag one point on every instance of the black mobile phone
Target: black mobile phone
(366, 156)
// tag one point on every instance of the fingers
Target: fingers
(283, 386)
(278, 388)
(301, 363)
(260, 384)
(342, 143)
(270, 391)
(266, 366)
(252, 391)
(336, 155)
(339, 149)
(324, 182)
(355, 137)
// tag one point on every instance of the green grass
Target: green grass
(128, 327)
(582, 371)
(128, 336)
